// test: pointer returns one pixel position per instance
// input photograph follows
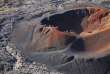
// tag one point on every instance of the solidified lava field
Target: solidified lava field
(74, 41)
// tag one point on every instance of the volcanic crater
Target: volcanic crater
(69, 41)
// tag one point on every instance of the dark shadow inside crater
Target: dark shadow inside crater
(75, 44)
(67, 21)
(78, 45)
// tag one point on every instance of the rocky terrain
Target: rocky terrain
(19, 15)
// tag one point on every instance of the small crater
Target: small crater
(70, 58)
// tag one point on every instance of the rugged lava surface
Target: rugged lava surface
(75, 40)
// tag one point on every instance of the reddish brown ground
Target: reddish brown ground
(99, 25)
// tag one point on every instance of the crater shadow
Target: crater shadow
(67, 20)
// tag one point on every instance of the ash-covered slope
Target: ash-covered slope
(74, 41)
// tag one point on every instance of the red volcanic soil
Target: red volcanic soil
(49, 37)
(98, 26)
